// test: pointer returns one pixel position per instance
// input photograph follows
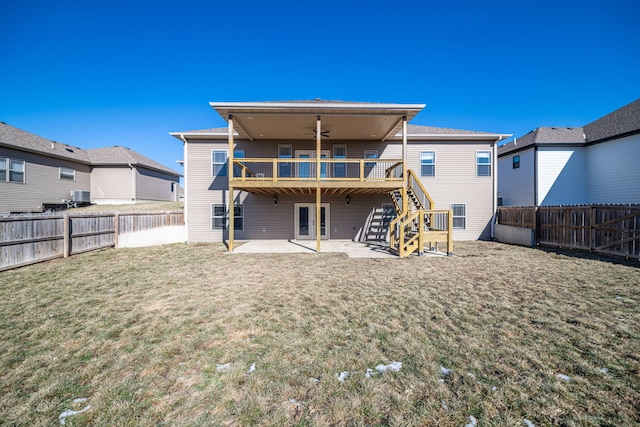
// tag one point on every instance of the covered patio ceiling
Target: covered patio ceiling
(298, 119)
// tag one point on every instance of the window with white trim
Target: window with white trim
(483, 163)
(219, 162)
(220, 216)
(340, 169)
(12, 170)
(370, 154)
(427, 163)
(238, 153)
(284, 168)
(67, 173)
(516, 162)
(459, 215)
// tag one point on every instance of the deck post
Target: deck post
(405, 178)
(318, 218)
(230, 201)
(318, 155)
(450, 233)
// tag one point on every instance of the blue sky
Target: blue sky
(100, 73)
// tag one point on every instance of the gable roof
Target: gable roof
(545, 135)
(621, 122)
(19, 139)
(415, 131)
(118, 155)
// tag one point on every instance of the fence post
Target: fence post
(116, 229)
(592, 228)
(66, 232)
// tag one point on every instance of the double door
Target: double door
(305, 221)
(307, 169)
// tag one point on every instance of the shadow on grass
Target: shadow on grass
(581, 254)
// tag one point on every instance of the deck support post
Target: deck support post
(230, 202)
(318, 167)
(405, 177)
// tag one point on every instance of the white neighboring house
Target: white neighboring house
(593, 164)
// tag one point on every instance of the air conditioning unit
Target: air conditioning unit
(79, 196)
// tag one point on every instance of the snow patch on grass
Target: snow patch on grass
(71, 412)
(222, 367)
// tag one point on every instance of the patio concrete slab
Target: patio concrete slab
(351, 248)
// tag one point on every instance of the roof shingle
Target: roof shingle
(17, 138)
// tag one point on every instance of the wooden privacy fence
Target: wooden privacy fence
(607, 229)
(29, 239)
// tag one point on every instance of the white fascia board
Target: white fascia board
(312, 105)
(182, 135)
(460, 136)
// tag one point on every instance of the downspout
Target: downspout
(535, 175)
(494, 165)
(133, 182)
(186, 175)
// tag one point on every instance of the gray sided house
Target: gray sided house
(35, 171)
(332, 170)
(593, 164)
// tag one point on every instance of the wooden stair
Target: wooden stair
(413, 223)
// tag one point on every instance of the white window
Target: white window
(427, 163)
(284, 168)
(219, 161)
(459, 215)
(238, 153)
(340, 169)
(483, 163)
(11, 170)
(370, 154)
(220, 216)
(67, 173)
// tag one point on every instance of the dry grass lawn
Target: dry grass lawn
(141, 335)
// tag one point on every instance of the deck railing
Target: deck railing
(278, 169)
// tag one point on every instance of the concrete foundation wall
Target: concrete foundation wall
(152, 237)
(515, 235)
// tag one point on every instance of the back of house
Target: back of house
(332, 170)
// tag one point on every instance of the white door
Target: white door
(307, 169)
(305, 221)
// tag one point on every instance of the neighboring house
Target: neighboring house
(593, 164)
(35, 171)
(282, 189)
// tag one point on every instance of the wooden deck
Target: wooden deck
(299, 176)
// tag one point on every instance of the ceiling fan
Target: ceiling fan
(323, 134)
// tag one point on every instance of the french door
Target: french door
(307, 169)
(305, 221)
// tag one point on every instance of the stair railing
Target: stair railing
(423, 197)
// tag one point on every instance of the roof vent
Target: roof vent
(69, 150)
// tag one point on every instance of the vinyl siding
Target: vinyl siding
(112, 183)
(515, 186)
(455, 181)
(153, 185)
(562, 176)
(614, 171)
(42, 182)
(202, 190)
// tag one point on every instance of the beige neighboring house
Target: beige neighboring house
(35, 172)
(315, 170)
